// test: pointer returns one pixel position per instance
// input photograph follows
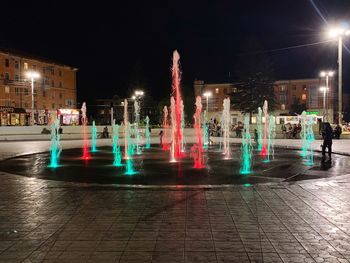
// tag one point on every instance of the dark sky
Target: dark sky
(110, 42)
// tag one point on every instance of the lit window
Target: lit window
(282, 88)
(303, 97)
(283, 106)
(217, 90)
(26, 92)
(25, 65)
(7, 89)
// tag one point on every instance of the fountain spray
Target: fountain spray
(116, 148)
(86, 154)
(147, 134)
(259, 128)
(246, 148)
(136, 126)
(165, 144)
(205, 130)
(176, 75)
(173, 129)
(309, 139)
(182, 126)
(55, 147)
(263, 151)
(197, 149)
(303, 134)
(226, 122)
(271, 138)
(93, 137)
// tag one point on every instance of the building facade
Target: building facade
(307, 91)
(54, 89)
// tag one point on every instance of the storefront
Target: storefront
(68, 116)
(10, 116)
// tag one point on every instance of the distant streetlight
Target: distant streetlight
(339, 32)
(327, 75)
(207, 94)
(32, 75)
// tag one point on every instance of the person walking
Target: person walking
(327, 135)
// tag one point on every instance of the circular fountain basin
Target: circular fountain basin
(153, 167)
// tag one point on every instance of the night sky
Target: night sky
(111, 44)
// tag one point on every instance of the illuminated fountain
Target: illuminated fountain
(303, 134)
(197, 148)
(165, 144)
(173, 129)
(93, 137)
(263, 151)
(309, 158)
(176, 75)
(128, 146)
(259, 128)
(271, 138)
(136, 126)
(55, 148)
(86, 154)
(182, 126)
(226, 122)
(147, 133)
(116, 147)
(205, 130)
(246, 148)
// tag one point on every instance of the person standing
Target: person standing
(327, 135)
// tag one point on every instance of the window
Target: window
(283, 99)
(7, 89)
(44, 93)
(26, 105)
(60, 73)
(16, 77)
(44, 70)
(61, 84)
(7, 76)
(225, 90)
(53, 106)
(61, 95)
(282, 88)
(8, 103)
(25, 65)
(26, 92)
(294, 98)
(217, 90)
(7, 62)
(294, 87)
(52, 83)
(52, 71)
(35, 104)
(16, 65)
(283, 106)
(303, 96)
(17, 91)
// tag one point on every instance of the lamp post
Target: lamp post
(32, 75)
(327, 75)
(339, 32)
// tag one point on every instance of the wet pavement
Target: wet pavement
(63, 221)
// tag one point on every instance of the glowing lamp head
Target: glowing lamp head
(330, 73)
(32, 75)
(207, 94)
(139, 93)
(323, 89)
(133, 97)
(323, 74)
(341, 30)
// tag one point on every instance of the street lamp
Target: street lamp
(207, 94)
(32, 75)
(324, 90)
(339, 32)
(327, 75)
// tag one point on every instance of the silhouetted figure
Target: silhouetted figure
(105, 132)
(327, 135)
(256, 136)
(337, 132)
(161, 137)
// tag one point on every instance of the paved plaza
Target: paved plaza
(54, 221)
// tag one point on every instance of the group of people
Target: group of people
(293, 131)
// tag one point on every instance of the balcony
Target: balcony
(9, 82)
